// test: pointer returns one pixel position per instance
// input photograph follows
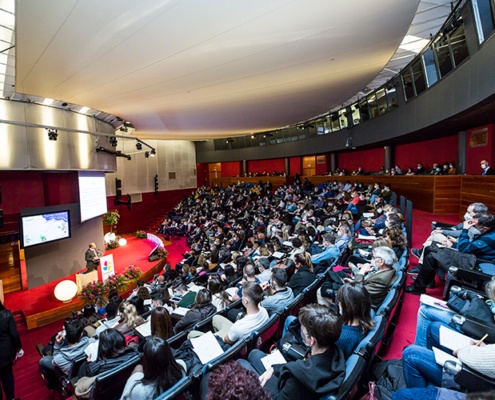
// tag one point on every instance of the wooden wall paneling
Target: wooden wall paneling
(10, 272)
(477, 189)
(447, 199)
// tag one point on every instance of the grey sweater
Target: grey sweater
(64, 356)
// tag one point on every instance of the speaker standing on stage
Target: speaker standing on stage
(92, 257)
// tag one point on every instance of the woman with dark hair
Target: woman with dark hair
(160, 325)
(230, 381)
(304, 276)
(10, 348)
(158, 372)
(112, 352)
(201, 309)
(220, 298)
(229, 273)
(354, 304)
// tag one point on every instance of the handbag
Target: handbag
(371, 392)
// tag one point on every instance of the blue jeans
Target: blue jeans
(254, 359)
(420, 368)
(288, 320)
(427, 315)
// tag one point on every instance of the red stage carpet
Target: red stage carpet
(41, 298)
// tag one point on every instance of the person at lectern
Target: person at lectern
(92, 257)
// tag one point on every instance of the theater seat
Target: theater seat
(175, 391)
(110, 385)
(467, 378)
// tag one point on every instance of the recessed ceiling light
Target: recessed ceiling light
(84, 110)
(48, 102)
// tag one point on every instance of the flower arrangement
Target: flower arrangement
(112, 244)
(162, 253)
(141, 234)
(118, 281)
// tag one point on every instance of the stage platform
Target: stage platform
(38, 306)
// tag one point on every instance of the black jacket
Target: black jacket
(195, 315)
(301, 280)
(309, 379)
(99, 366)
(10, 341)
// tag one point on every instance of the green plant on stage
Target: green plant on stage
(112, 244)
(111, 218)
(117, 281)
(141, 234)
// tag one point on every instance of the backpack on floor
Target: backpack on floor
(389, 378)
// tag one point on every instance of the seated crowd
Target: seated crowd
(253, 251)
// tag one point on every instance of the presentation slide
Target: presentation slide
(37, 229)
(92, 194)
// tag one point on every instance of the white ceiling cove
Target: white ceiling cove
(195, 70)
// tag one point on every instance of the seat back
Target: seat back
(260, 338)
(233, 352)
(110, 385)
(175, 391)
(310, 292)
(369, 345)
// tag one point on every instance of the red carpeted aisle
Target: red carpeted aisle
(405, 331)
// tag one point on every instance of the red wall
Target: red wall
(321, 169)
(475, 154)
(232, 168)
(30, 189)
(369, 160)
(201, 174)
(260, 166)
(142, 213)
(295, 165)
(427, 152)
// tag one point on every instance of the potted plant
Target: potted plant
(141, 234)
(111, 218)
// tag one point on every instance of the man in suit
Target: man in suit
(377, 276)
(487, 170)
(92, 257)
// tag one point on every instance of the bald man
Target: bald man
(92, 257)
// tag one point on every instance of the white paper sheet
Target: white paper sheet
(206, 347)
(144, 329)
(272, 359)
(453, 340)
(433, 302)
(442, 356)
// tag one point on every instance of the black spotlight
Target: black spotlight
(147, 154)
(52, 134)
(113, 141)
(153, 152)
(139, 146)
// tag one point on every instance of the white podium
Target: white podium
(83, 279)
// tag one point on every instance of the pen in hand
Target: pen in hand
(482, 339)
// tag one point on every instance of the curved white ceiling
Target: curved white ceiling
(191, 69)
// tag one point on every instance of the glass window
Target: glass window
(418, 77)
(458, 45)
(407, 81)
(343, 118)
(392, 95)
(363, 109)
(483, 16)
(381, 98)
(430, 67)
(372, 105)
(356, 117)
(443, 55)
(334, 120)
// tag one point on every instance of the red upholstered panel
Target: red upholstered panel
(201, 174)
(369, 160)
(294, 165)
(232, 168)
(426, 152)
(260, 166)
